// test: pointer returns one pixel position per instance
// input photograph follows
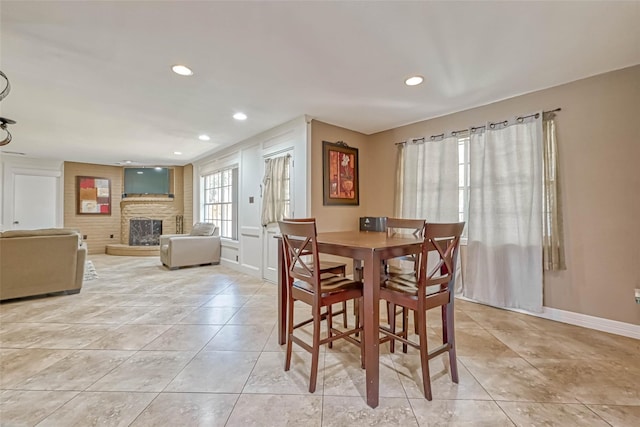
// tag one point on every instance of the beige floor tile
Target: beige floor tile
(184, 337)
(240, 338)
(480, 343)
(99, 409)
(28, 408)
(215, 372)
(117, 315)
(514, 379)
(442, 387)
(339, 411)
(501, 319)
(441, 413)
(17, 365)
(187, 410)
(167, 315)
(76, 371)
(145, 371)
(255, 316)
(344, 376)
(269, 377)
(73, 337)
(128, 337)
(227, 301)
(595, 381)
(210, 316)
(276, 410)
(618, 415)
(551, 414)
(29, 333)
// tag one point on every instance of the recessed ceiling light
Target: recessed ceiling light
(204, 137)
(127, 161)
(177, 153)
(414, 80)
(158, 168)
(182, 70)
(240, 116)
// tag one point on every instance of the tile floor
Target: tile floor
(144, 346)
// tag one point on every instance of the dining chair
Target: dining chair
(331, 267)
(398, 227)
(426, 289)
(306, 284)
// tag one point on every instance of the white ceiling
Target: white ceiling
(91, 81)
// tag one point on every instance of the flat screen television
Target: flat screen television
(147, 181)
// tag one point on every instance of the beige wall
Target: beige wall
(100, 228)
(599, 154)
(336, 218)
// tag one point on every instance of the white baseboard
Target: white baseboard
(591, 322)
(578, 319)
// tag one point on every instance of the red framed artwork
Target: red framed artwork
(93, 195)
(340, 174)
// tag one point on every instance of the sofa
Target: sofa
(37, 262)
(201, 246)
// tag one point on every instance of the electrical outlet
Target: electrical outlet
(637, 296)
(84, 237)
(111, 236)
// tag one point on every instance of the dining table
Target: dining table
(367, 249)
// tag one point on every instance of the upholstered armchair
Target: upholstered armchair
(201, 246)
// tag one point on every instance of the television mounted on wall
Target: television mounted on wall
(147, 181)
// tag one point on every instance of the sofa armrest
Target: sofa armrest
(164, 238)
(81, 260)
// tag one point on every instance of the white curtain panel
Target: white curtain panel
(276, 190)
(429, 181)
(504, 253)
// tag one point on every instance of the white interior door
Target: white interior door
(35, 202)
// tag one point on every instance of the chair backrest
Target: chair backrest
(399, 226)
(300, 249)
(444, 240)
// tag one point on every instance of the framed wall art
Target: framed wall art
(93, 195)
(340, 174)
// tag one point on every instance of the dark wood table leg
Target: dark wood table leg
(282, 297)
(371, 325)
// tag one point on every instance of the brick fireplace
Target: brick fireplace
(154, 208)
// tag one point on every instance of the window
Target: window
(463, 182)
(220, 201)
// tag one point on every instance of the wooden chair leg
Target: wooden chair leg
(359, 321)
(448, 334)
(344, 314)
(287, 360)
(329, 324)
(405, 327)
(315, 351)
(424, 356)
(391, 315)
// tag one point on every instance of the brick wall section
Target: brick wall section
(100, 228)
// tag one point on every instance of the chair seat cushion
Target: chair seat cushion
(407, 284)
(330, 284)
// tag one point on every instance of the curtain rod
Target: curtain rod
(474, 128)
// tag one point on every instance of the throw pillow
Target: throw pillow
(203, 229)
